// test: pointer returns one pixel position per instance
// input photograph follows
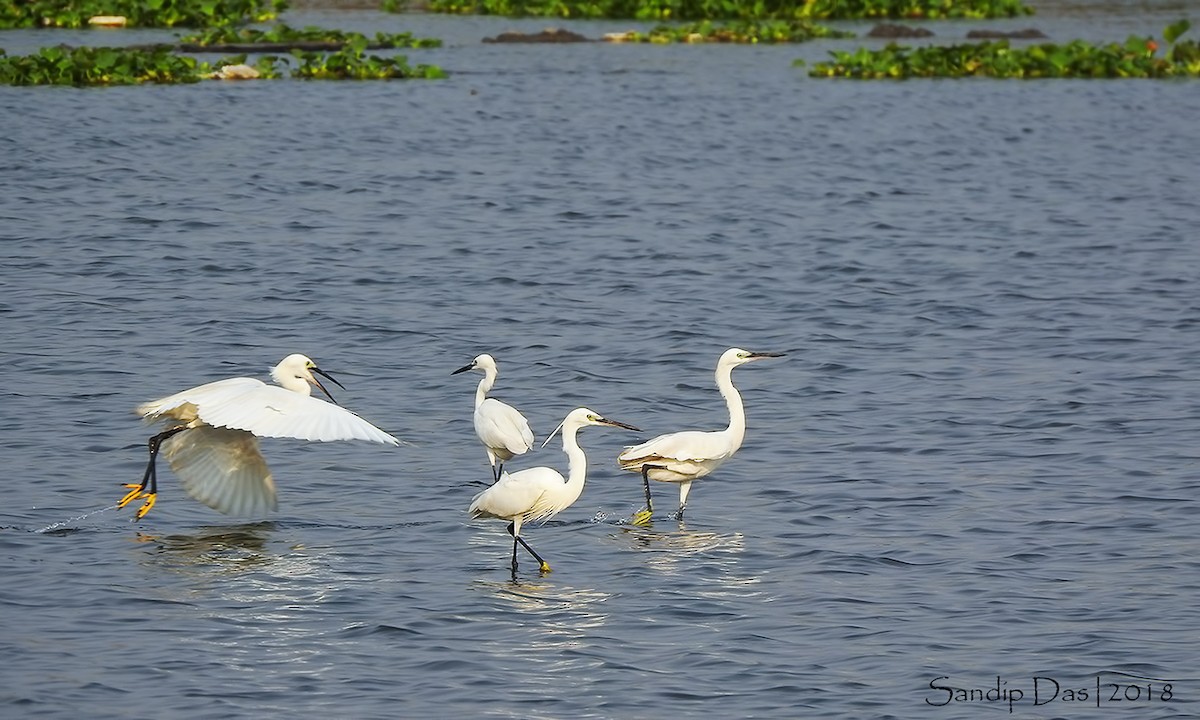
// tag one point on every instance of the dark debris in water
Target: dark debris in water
(893, 30)
(549, 35)
(1026, 34)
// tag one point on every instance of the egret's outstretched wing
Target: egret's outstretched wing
(223, 469)
(265, 410)
(502, 426)
(183, 405)
(691, 445)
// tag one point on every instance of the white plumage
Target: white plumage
(686, 456)
(502, 429)
(540, 493)
(212, 443)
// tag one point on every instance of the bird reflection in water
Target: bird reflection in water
(672, 553)
(560, 618)
(224, 548)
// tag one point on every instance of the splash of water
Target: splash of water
(71, 521)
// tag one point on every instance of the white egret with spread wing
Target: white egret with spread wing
(683, 457)
(212, 444)
(540, 493)
(503, 430)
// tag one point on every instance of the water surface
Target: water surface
(978, 460)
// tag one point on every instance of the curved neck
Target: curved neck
(576, 465)
(733, 400)
(485, 386)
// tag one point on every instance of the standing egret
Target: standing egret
(212, 444)
(690, 455)
(540, 493)
(503, 430)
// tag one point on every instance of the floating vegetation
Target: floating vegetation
(1137, 57)
(737, 31)
(100, 66)
(136, 13)
(351, 64)
(283, 36)
(729, 9)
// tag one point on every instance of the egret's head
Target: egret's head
(737, 356)
(295, 373)
(582, 417)
(484, 363)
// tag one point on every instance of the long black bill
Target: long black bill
(767, 354)
(328, 377)
(614, 423)
(464, 368)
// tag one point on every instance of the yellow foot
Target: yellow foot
(145, 508)
(545, 567)
(130, 496)
(641, 517)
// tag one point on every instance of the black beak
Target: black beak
(329, 377)
(614, 423)
(767, 354)
(464, 368)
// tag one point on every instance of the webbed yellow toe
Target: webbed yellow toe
(130, 496)
(145, 508)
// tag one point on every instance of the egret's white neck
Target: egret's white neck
(288, 380)
(485, 385)
(733, 400)
(576, 466)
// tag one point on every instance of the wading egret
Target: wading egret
(686, 456)
(212, 444)
(540, 493)
(503, 430)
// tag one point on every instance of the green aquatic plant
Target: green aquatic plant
(736, 9)
(736, 31)
(283, 34)
(1137, 57)
(99, 66)
(92, 66)
(351, 64)
(137, 13)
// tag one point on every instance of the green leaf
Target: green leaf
(1175, 29)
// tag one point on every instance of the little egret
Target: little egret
(540, 493)
(686, 456)
(212, 444)
(503, 430)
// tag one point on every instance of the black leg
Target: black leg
(646, 484)
(514, 555)
(150, 477)
(542, 564)
(497, 472)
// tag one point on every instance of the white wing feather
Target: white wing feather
(527, 493)
(691, 445)
(266, 411)
(223, 469)
(502, 426)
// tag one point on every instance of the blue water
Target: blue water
(976, 466)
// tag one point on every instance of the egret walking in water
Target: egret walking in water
(540, 493)
(690, 455)
(503, 430)
(212, 443)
